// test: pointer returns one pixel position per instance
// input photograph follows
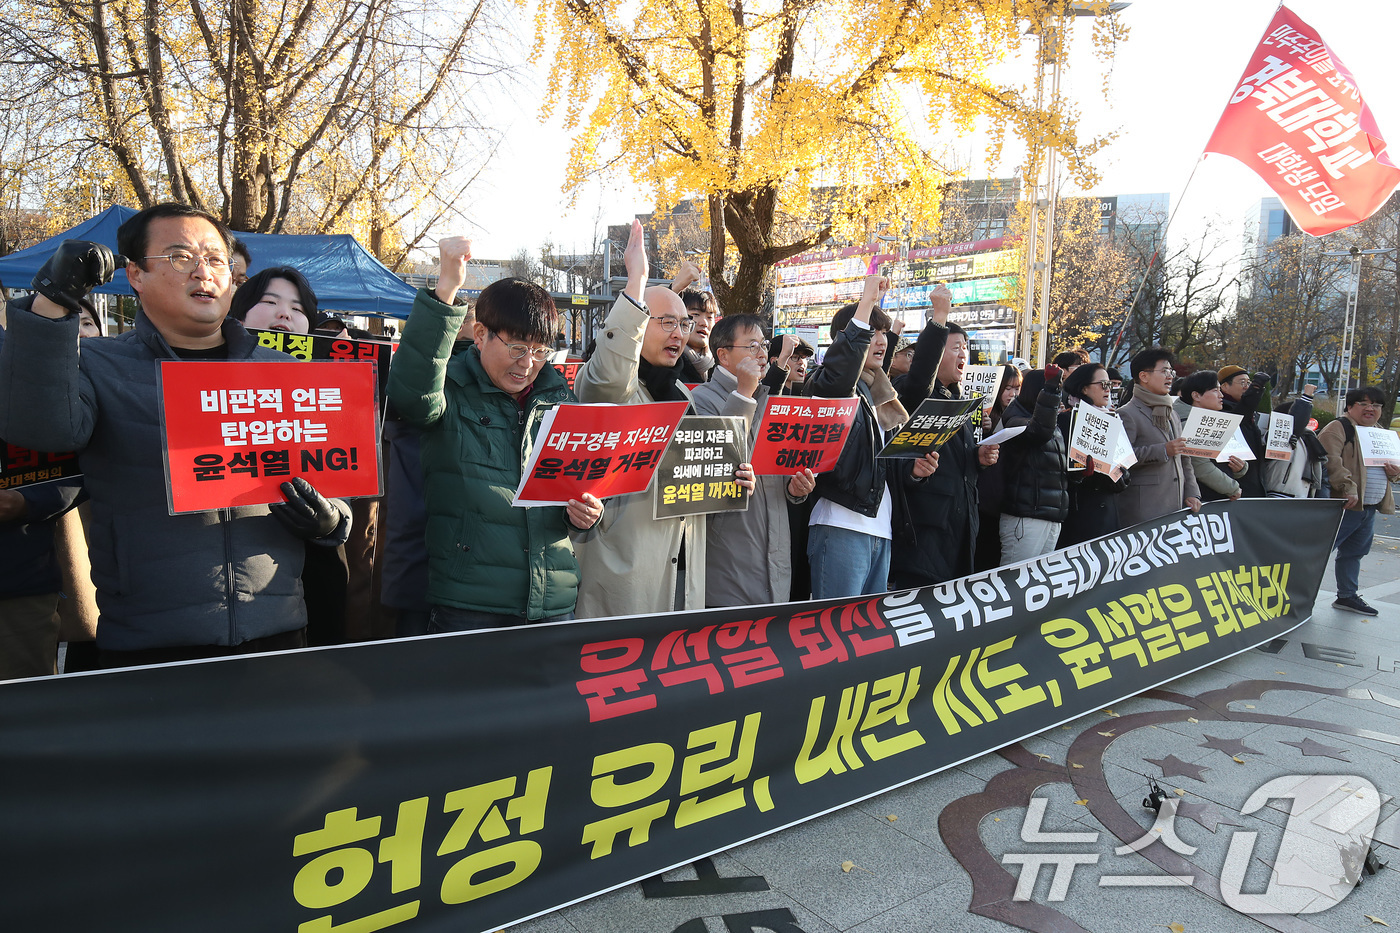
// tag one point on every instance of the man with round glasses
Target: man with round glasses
(490, 565)
(169, 587)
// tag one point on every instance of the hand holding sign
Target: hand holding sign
(306, 513)
(585, 511)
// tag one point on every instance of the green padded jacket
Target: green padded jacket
(483, 554)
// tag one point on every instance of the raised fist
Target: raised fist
(74, 270)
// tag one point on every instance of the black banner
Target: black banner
(463, 782)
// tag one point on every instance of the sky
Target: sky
(1168, 85)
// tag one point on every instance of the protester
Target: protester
(1162, 482)
(169, 586)
(1366, 490)
(239, 262)
(1300, 476)
(279, 298)
(1202, 390)
(795, 373)
(941, 492)
(858, 510)
(1070, 360)
(902, 357)
(748, 554)
(1035, 496)
(633, 563)
(89, 323)
(490, 565)
(1093, 494)
(991, 480)
(696, 358)
(1240, 396)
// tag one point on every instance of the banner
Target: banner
(465, 782)
(1297, 119)
(934, 423)
(1207, 432)
(20, 466)
(1279, 443)
(235, 431)
(1379, 446)
(697, 469)
(796, 433)
(606, 450)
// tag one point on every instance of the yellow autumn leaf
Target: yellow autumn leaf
(1192, 719)
(1176, 927)
(847, 866)
(1249, 706)
(1084, 802)
(1238, 758)
(1375, 920)
(1179, 792)
(1111, 713)
(1108, 734)
(1077, 766)
(891, 817)
(1043, 757)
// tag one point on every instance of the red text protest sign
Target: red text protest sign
(802, 433)
(339, 349)
(234, 432)
(20, 466)
(606, 450)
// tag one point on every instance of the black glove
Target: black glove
(74, 269)
(1260, 379)
(306, 513)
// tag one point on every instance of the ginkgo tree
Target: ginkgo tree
(753, 105)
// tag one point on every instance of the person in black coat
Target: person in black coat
(942, 506)
(1036, 493)
(1093, 496)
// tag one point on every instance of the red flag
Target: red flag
(1297, 119)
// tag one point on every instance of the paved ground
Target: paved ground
(946, 853)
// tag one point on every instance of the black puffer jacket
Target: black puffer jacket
(1037, 484)
(860, 478)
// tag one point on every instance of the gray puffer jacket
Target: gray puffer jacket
(163, 581)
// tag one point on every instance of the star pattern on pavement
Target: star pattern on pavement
(1207, 814)
(1231, 747)
(1172, 765)
(1313, 749)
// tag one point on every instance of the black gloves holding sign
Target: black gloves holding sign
(306, 513)
(74, 269)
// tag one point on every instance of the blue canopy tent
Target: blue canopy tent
(343, 274)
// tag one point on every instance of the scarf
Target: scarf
(661, 382)
(889, 414)
(1160, 407)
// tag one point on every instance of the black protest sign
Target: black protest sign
(550, 762)
(20, 466)
(696, 476)
(934, 423)
(322, 347)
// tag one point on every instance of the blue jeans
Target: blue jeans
(847, 563)
(1353, 543)
(452, 619)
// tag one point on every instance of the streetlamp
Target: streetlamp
(1048, 30)
(1353, 256)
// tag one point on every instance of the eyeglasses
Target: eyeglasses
(185, 263)
(518, 350)
(671, 324)
(755, 348)
(1102, 384)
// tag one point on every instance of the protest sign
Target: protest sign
(1094, 434)
(1379, 446)
(981, 380)
(697, 469)
(1280, 440)
(802, 433)
(934, 423)
(1207, 432)
(235, 431)
(606, 450)
(501, 774)
(569, 369)
(340, 349)
(20, 466)
(1236, 446)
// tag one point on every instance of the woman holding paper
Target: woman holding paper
(1093, 493)
(1036, 498)
(1216, 480)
